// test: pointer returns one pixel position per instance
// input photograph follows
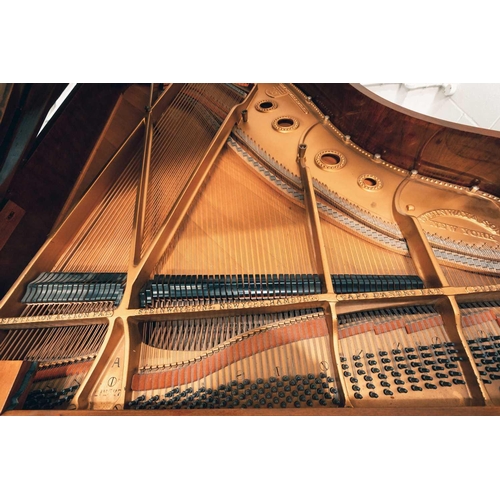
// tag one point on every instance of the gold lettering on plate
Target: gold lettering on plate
(460, 214)
(57, 317)
(277, 91)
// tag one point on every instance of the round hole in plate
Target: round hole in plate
(266, 106)
(330, 159)
(285, 124)
(369, 182)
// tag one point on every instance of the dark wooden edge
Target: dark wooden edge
(299, 412)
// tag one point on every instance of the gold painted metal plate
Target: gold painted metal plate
(335, 210)
(109, 391)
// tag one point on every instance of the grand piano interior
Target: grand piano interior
(243, 249)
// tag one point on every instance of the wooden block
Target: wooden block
(16, 377)
(10, 216)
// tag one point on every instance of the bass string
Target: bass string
(101, 238)
(205, 334)
(173, 161)
(112, 238)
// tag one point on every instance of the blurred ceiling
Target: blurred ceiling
(474, 104)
